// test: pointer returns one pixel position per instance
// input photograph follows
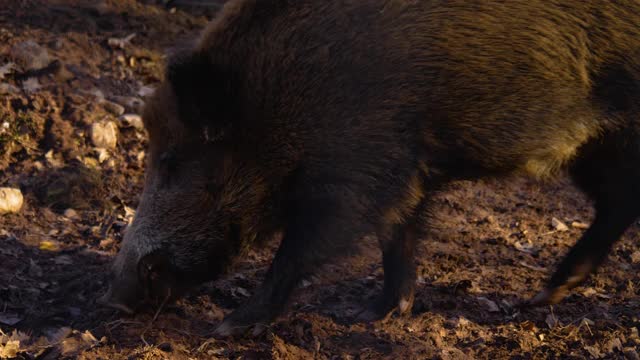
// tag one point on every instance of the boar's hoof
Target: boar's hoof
(105, 300)
(228, 329)
(231, 327)
(549, 296)
(381, 309)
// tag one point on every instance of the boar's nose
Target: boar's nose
(123, 298)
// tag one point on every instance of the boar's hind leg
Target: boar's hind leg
(316, 231)
(608, 172)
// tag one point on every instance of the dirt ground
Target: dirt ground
(491, 246)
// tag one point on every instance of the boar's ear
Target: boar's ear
(202, 90)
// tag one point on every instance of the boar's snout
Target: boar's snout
(123, 295)
(133, 283)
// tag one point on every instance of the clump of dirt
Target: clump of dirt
(492, 245)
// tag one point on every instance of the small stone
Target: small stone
(132, 120)
(104, 134)
(71, 214)
(242, 291)
(559, 225)
(489, 304)
(579, 225)
(635, 257)
(30, 55)
(115, 109)
(11, 200)
(132, 104)
(96, 93)
(8, 89)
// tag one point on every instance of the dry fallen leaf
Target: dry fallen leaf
(6, 69)
(47, 245)
(552, 321)
(528, 326)
(10, 349)
(524, 247)
(10, 344)
(31, 85)
(588, 292)
(121, 43)
(56, 336)
(77, 342)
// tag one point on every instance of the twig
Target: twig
(150, 325)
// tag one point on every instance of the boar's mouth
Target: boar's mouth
(156, 280)
(152, 282)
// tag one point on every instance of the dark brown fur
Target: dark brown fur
(329, 120)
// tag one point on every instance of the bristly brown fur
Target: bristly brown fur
(330, 120)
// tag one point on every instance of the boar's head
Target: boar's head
(198, 210)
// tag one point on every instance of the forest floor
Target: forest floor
(492, 244)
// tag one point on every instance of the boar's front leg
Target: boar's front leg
(317, 229)
(397, 242)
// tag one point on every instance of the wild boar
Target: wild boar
(330, 120)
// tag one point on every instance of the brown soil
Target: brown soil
(492, 244)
